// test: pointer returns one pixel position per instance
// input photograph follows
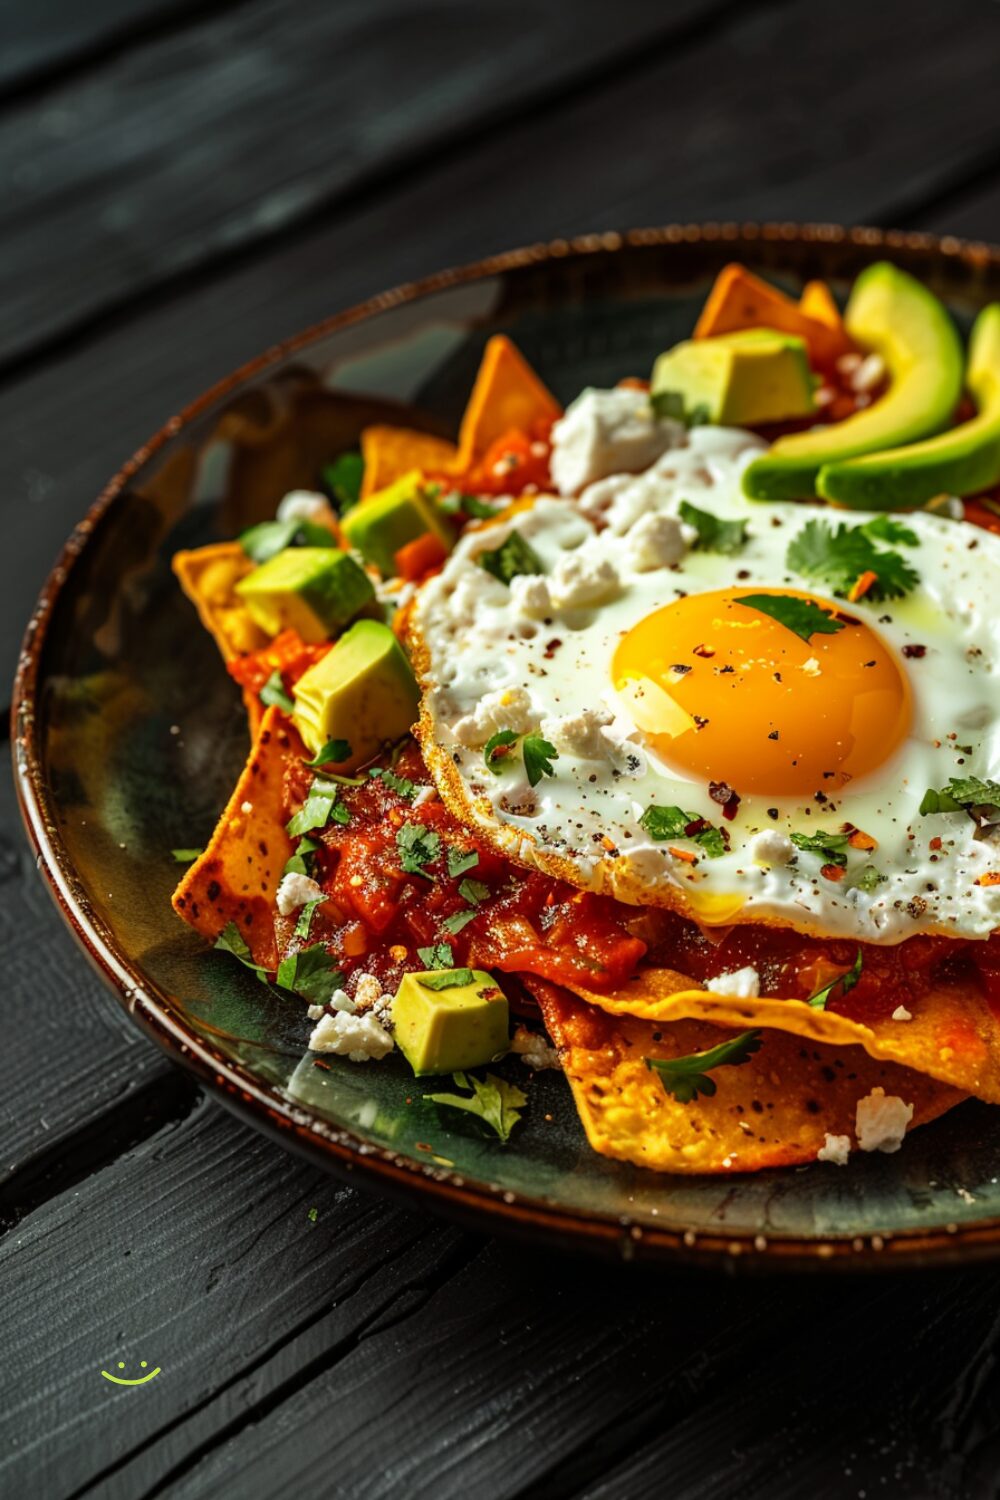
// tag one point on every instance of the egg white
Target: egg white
(470, 638)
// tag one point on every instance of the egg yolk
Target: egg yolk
(724, 692)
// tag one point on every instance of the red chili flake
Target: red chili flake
(552, 648)
(319, 1063)
(935, 843)
(833, 872)
(705, 651)
(915, 652)
(423, 1146)
(727, 798)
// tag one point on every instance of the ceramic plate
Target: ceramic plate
(130, 736)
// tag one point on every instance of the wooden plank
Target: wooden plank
(201, 1253)
(206, 141)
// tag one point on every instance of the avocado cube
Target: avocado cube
(362, 691)
(737, 379)
(314, 590)
(390, 518)
(445, 1020)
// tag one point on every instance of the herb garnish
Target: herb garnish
(513, 556)
(453, 979)
(473, 891)
(186, 856)
(303, 861)
(458, 920)
(320, 806)
(417, 846)
(962, 794)
(497, 749)
(304, 922)
(438, 956)
(687, 1077)
(271, 537)
(398, 784)
(460, 860)
(804, 618)
(343, 480)
(497, 1103)
(831, 847)
(538, 757)
(231, 940)
(846, 981)
(332, 754)
(868, 879)
(273, 694)
(455, 503)
(884, 528)
(715, 534)
(674, 823)
(841, 556)
(672, 404)
(310, 973)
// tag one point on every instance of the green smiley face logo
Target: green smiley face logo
(142, 1379)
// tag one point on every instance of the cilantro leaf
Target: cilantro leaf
(458, 920)
(320, 806)
(846, 981)
(311, 974)
(868, 879)
(273, 693)
(715, 534)
(497, 1103)
(417, 846)
(538, 757)
(497, 748)
(231, 940)
(513, 556)
(804, 618)
(343, 480)
(473, 891)
(451, 980)
(271, 537)
(841, 556)
(962, 793)
(398, 784)
(332, 753)
(460, 860)
(674, 823)
(186, 856)
(304, 922)
(456, 503)
(884, 528)
(302, 861)
(831, 847)
(438, 956)
(686, 1077)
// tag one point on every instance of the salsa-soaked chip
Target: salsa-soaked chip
(773, 1110)
(391, 452)
(952, 1035)
(209, 575)
(237, 877)
(507, 394)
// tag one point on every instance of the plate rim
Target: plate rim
(482, 1206)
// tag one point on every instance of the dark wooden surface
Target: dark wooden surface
(183, 184)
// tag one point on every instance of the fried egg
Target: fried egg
(635, 654)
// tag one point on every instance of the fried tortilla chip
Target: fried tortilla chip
(209, 576)
(391, 452)
(953, 1036)
(236, 879)
(507, 394)
(774, 1110)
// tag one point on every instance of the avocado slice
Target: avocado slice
(390, 518)
(314, 590)
(735, 379)
(962, 461)
(893, 313)
(362, 691)
(446, 1020)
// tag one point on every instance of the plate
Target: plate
(130, 735)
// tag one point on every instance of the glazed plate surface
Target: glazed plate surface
(129, 736)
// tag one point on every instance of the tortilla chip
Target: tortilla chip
(774, 1110)
(954, 1036)
(236, 879)
(209, 576)
(391, 452)
(507, 394)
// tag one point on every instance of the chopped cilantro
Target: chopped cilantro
(452, 979)
(497, 749)
(841, 556)
(513, 556)
(231, 940)
(273, 693)
(303, 860)
(473, 891)
(868, 879)
(332, 753)
(961, 794)
(831, 847)
(271, 537)
(497, 1103)
(846, 981)
(538, 757)
(458, 920)
(456, 503)
(674, 823)
(715, 534)
(804, 618)
(320, 806)
(343, 480)
(398, 784)
(311, 974)
(313, 1215)
(304, 923)
(885, 528)
(460, 860)
(417, 846)
(438, 956)
(686, 1077)
(186, 856)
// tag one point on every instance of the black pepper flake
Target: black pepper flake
(552, 648)
(914, 652)
(820, 797)
(681, 668)
(743, 573)
(772, 813)
(773, 735)
(870, 664)
(699, 722)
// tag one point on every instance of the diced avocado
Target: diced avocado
(446, 1020)
(736, 379)
(390, 518)
(893, 313)
(962, 461)
(314, 590)
(362, 691)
